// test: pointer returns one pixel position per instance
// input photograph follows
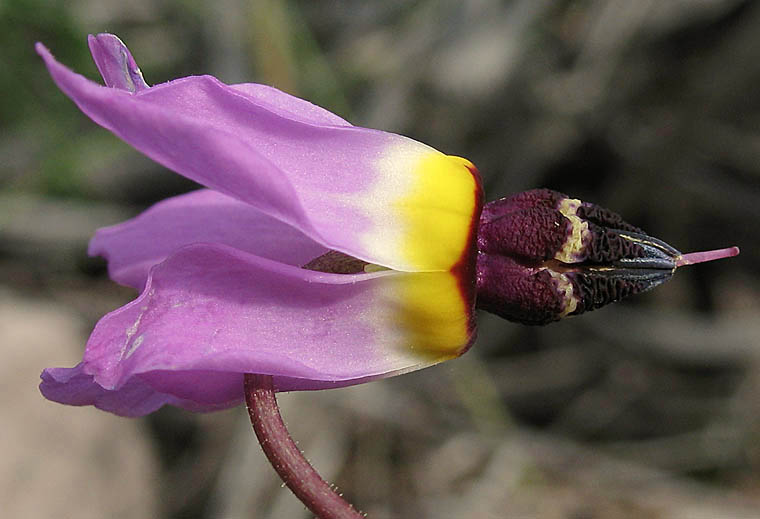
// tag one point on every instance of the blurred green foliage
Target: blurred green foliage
(37, 122)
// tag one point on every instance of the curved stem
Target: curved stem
(286, 457)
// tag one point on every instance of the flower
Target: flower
(222, 289)
(321, 253)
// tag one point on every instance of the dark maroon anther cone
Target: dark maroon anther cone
(543, 256)
(516, 292)
(542, 232)
(522, 200)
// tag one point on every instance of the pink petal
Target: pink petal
(210, 313)
(377, 196)
(287, 106)
(203, 216)
(119, 70)
(115, 63)
(71, 386)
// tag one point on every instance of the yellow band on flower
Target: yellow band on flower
(440, 211)
(434, 314)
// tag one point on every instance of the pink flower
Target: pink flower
(389, 232)
(219, 270)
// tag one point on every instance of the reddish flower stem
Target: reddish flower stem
(286, 457)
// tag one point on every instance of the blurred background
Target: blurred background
(647, 409)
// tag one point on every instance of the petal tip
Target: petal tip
(41, 50)
(102, 39)
(115, 63)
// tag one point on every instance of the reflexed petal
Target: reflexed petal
(210, 313)
(377, 196)
(72, 386)
(203, 216)
(115, 63)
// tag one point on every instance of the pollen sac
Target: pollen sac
(543, 256)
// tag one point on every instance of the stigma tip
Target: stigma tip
(700, 257)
